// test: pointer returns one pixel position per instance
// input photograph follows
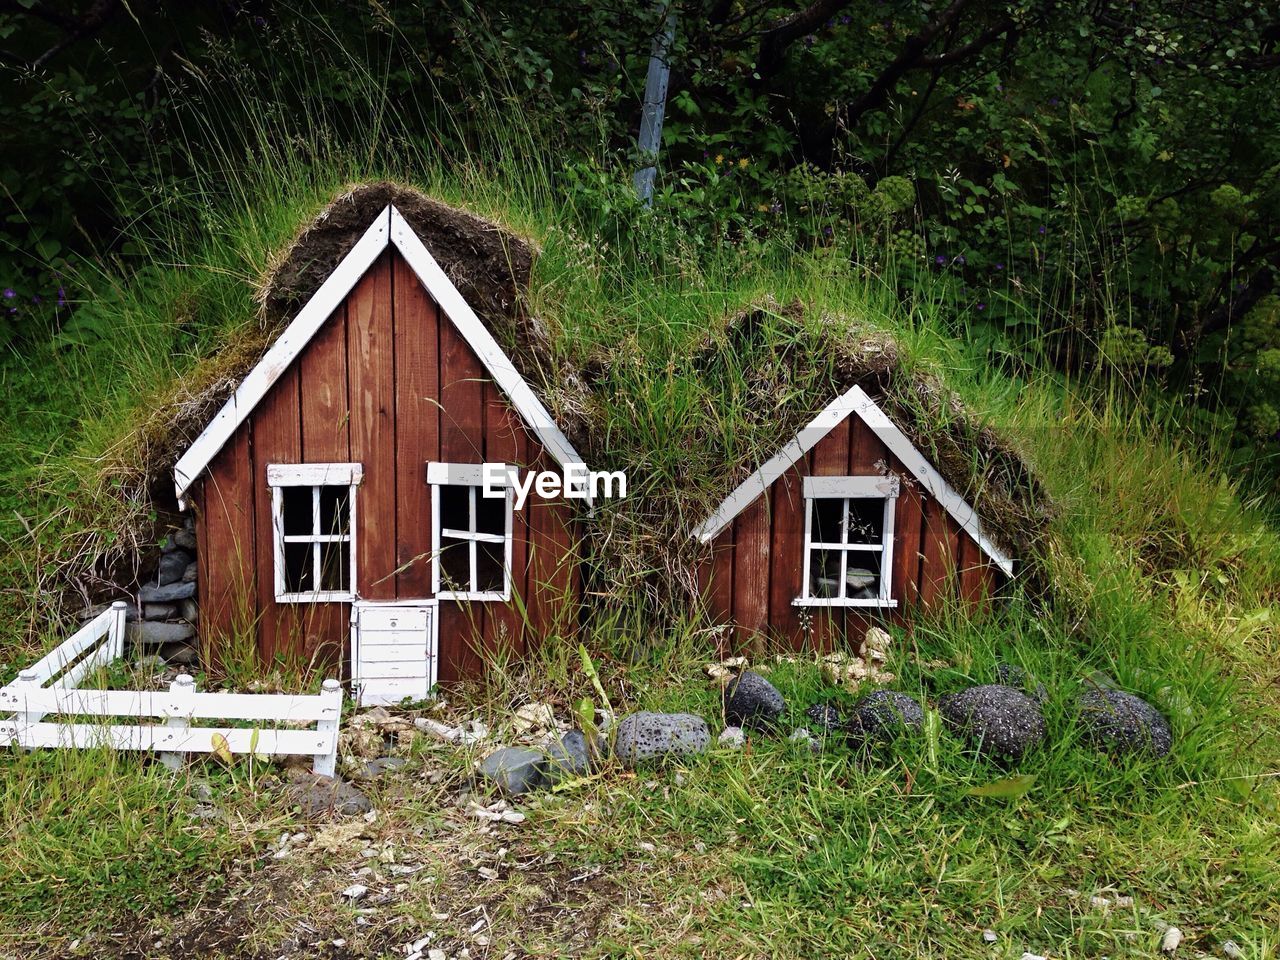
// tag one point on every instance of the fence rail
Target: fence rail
(102, 717)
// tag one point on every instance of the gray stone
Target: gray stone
(167, 593)
(95, 611)
(567, 756)
(1012, 675)
(998, 720)
(149, 634)
(372, 769)
(189, 610)
(1123, 723)
(152, 663)
(184, 539)
(172, 566)
(513, 770)
(825, 718)
(659, 736)
(883, 716)
(752, 701)
(189, 575)
(733, 738)
(180, 654)
(159, 611)
(318, 796)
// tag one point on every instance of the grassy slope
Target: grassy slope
(1167, 583)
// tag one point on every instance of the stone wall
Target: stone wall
(162, 609)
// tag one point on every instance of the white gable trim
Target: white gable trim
(388, 229)
(855, 401)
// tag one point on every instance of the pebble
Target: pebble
(733, 738)
(1232, 950)
(1033, 956)
(989, 936)
(1171, 939)
(355, 891)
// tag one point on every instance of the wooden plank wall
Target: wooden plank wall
(389, 383)
(756, 564)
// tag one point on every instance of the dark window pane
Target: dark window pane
(455, 507)
(489, 564)
(824, 573)
(298, 570)
(828, 514)
(335, 566)
(866, 520)
(862, 576)
(335, 510)
(491, 514)
(296, 510)
(455, 564)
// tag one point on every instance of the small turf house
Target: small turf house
(339, 512)
(849, 524)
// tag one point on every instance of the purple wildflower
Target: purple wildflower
(961, 260)
(827, 231)
(1053, 101)
(1042, 231)
(9, 293)
(999, 266)
(775, 207)
(982, 306)
(939, 259)
(35, 298)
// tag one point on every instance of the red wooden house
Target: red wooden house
(847, 525)
(339, 510)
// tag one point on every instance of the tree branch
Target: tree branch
(783, 33)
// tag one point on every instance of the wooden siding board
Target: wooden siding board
(786, 557)
(227, 550)
(720, 598)
(326, 438)
(417, 405)
(751, 574)
(371, 365)
(277, 438)
(938, 561)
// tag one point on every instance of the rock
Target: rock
(733, 738)
(875, 645)
(151, 663)
(159, 611)
(189, 610)
(1122, 723)
(319, 796)
(1171, 939)
(97, 609)
(149, 634)
(841, 670)
(989, 936)
(1033, 956)
(355, 891)
(200, 791)
(181, 540)
(513, 770)
(1012, 675)
(191, 572)
(167, 593)
(826, 718)
(534, 716)
(883, 716)
(998, 720)
(1232, 951)
(801, 737)
(180, 654)
(172, 566)
(567, 756)
(752, 701)
(659, 736)
(378, 766)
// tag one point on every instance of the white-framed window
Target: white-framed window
(848, 541)
(313, 519)
(470, 533)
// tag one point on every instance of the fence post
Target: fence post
(326, 763)
(182, 684)
(27, 680)
(119, 616)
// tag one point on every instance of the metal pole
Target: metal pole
(655, 104)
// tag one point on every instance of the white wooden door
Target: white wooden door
(393, 650)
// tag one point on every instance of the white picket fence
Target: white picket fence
(49, 687)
